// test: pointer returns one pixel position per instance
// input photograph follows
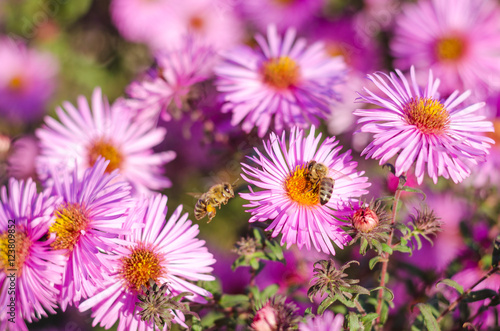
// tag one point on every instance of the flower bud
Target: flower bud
(265, 319)
(365, 220)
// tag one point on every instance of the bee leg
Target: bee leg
(210, 212)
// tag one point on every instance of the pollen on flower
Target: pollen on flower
(450, 48)
(71, 221)
(300, 189)
(22, 244)
(107, 150)
(496, 134)
(142, 264)
(428, 115)
(281, 72)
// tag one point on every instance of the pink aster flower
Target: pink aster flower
(165, 251)
(85, 134)
(25, 217)
(284, 82)
(213, 21)
(442, 135)
(22, 157)
(138, 20)
(284, 14)
(87, 222)
(458, 40)
(27, 81)
(171, 85)
(291, 199)
(326, 322)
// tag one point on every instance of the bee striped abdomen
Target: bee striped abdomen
(325, 189)
(200, 209)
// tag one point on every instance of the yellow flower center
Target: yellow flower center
(71, 222)
(428, 115)
(104, 148)
(141, 265)
(16, 84)
(450, 48)
(196, 23)
(280, 72)
(14, 249)
(300, 189)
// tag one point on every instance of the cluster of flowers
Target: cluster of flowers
(97, 233)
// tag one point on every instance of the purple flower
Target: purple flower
(27, 81)
(285, 14)
(291, 200)
(443, 135)
(284, 82)
(163, 251)
(170, 86)
(459, 41)
(84, 135)
(87, 223)
(326, 322)
(25, 217)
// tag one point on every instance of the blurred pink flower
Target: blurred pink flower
(326, 322)
(165, 251)
(489, 317)
(25, 217)
(163, 24)
(27, 81)
(169, 87)
(284, 13)
(284, 82)
(458, 40)
(22, 157)
(289, 199)
(85, 134)
(440, 135)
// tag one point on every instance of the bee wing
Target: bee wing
(339, 175)
(194, 194)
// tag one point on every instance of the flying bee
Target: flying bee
(317, 174)
(216, 196)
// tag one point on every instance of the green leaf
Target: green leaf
(363, 246)
(414, 190)
(402, 248)
(386, 248)
(480, 295)
(368, 319)
(239, 262)
(374, 261)
(354, 323)
(388, 198)
(254, 263)
(355, 289)
(325, 304)
(429, 319)
(276, 250)
(258, 235)
(269, 291)
(496, 252)
(452, 283)
(231, 300)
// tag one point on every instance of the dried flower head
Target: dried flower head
(158, 306)
(246, 246)
(275, 315)
(329, 279)
(425, 223)
(370, 224)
